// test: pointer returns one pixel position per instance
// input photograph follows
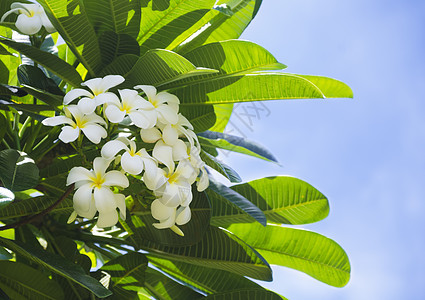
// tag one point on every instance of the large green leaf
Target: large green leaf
(163, 287)
(259, 86)
(113, 45)
(227, 20)
(20, 281)
(205, 279)
(223, 113)
(114, 15)
(306, 251)
(18, 171)
(194, 230)
(58, 265)
(236, 144)
(246, 294)
(51, 62)
(6, 197)
(165, 20)
(220, 167)
(201, 117)
(218, 249)
(70, 19)
(283, 199)
(127, 274)
(33, 206)
(236, 200)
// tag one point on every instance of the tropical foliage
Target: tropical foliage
(176, 67)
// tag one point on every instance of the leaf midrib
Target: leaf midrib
(128, 273)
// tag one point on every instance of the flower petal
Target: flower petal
(132, 164)
(155, 182)
(150, 135)
(74, 94)
(94, 84)
(160, 211)
(114, 114)
(69, 134)
(104, 199)
(87, 105)
(107, 219)
(46, 23)
(167, 223)
(170, 135)
(167, 97)
(115, 178)
(111, 148)
(203, 182)
(82, 199)
(94, 133)
(167, 115)
(149, 90)
(110, 81)
(164, 154)
(172, 196)
(183, 215)
(100, 165)
(28, 25)
(179, 150)
(54, 121)
(106, 97)
(120, 201)
(140, 120)
(78, 174)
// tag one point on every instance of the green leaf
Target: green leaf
(34, 205)
(127, 274)
(158, 67)
(235, 144)
(226, 21)
(70, 19)
(3, 124)
(121, 65)
(201, 117)
(20, 281)
(164, 288)
(218, 249)
(6, 197)
(113, 45)
(202, 278)
(246, 295)
(223, 113)
(51, 62)
(4, 254)
(194, 230)
(237, 200)
(58, 265)
(165, 20)
(63, 164)
(18, 171)
(283, 199)
(220, 167)
(3, 51)
(260, 86)
(114, 15)
(308, 252)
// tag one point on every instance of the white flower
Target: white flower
(166, 104)
(138, 109)
(197, 163)
(30, 19)
(99, 94)
(132, 161)
(168, 217)
(94, 194)
(88, 124)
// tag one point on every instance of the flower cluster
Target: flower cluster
(169, 170)
(31, 18)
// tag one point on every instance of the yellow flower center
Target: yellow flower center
(98, 180)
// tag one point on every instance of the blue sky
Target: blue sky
(366, 155)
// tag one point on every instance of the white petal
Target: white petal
(74, 94)
(140, 120)
(94, 133)
(78, 174)
(170, 135)
(114, 114)
(160, 211)
(106, 98)
(82, 199)
(184, 122)
(87, 105)
(167, 223)
(180, 150)
(153, 183)
(46, 23)
(28, 25)
(150, 167)
(183, 215)
(132, 164)
(167, 115)
(167, 97)
(95, 85)
(110, 81)
(116, 178)
(73, 110)
(54, 121)
(69, 134)
(149, 90)
(107, 219)
(172, 196)
(93, 118)
(185, 169)
(203, 182)
(128, 96)
(150, 135)
(111, 148)
(120, 201)
(100, 165)
(104, 199)
(164, 154)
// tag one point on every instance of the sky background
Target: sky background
(367, 154)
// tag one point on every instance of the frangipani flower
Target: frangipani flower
(132, 161)
(141, 112)
(31, 18)
(88, 124)
(166, 104)
(168, 217)
(99, 93)
(94, 194)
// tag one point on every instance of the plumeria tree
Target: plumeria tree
(112, 113)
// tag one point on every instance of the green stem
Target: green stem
(24, 127)
(30, 142)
